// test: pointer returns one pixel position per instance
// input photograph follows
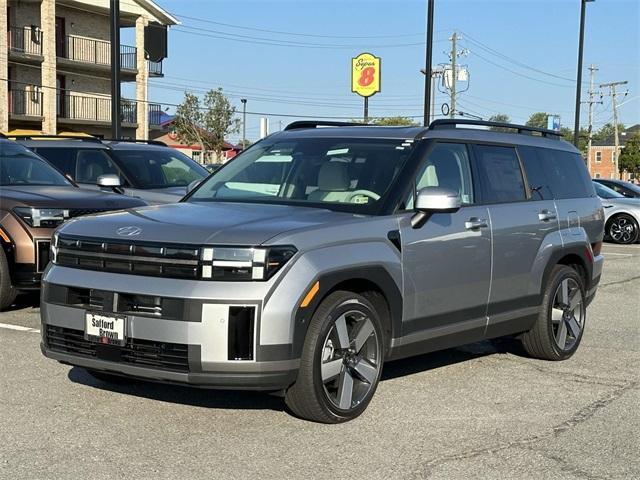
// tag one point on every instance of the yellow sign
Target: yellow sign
(365, 75)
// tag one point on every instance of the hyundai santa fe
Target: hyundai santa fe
(327, 249)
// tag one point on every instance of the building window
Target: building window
(598, 157)
(597, 175)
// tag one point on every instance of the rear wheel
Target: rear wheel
(7, 292)
(623, 229)
(341, 360)
(560, 325)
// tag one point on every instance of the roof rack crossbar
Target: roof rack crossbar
(524, 129)
(321, 123)
(66, 137)
(131, 140)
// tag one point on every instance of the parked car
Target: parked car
(622, 215)
(627, 189)
(34, 199)
(148, 170)
(320, 253)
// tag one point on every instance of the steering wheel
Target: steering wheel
(367, 193)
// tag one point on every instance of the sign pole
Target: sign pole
(366, 109)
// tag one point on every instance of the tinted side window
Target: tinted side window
(64, 159)
(536, 175)
(567, 173)
(93, 163)
(500, 174)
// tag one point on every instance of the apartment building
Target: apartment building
(602, 155)
(55, 65)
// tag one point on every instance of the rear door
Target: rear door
(523, 218)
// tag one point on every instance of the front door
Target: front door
(447, 260)
(61, 105)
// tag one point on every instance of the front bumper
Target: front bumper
(195, 337)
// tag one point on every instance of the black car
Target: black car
(628, 189)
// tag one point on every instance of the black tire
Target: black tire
(7, 292)
(309, 397)
(542, 340)
(109, 378)
(623, 229)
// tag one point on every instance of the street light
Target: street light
(244, 122)
(576, 125)
(428, 57)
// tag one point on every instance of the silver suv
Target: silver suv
(325, 250)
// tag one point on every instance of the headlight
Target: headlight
(42, 217)
(225, 263)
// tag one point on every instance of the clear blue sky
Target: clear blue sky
(308, 73)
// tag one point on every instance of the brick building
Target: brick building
(56, 57)
(601, 157)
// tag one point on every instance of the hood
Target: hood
(205, 223)
(621, 202)
(63, 197)
(159, 196)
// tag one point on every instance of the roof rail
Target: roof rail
(321, 123)
(65, 137)
(130, 140)
(453, 122)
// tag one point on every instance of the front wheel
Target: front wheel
(560, 325)
(623, 229)
(341, 360)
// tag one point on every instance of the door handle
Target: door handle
(546, 216)
(475, 223)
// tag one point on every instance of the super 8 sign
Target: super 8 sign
(365, 75)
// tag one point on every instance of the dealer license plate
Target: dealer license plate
(107, 329)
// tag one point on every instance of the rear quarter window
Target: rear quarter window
(567, 174)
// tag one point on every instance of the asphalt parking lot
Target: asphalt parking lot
(483, 411)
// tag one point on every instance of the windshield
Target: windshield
(346, 174)
(159, 168)
(20, 166)
(606, 192)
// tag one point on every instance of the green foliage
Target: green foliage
(500, 118)
(207, 123)
(606, 131)
(247, 143)
(538, 120)
(389, 121)
(629, 159)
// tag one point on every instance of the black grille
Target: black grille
(173, 261)
(78, 212)
(141, 353)
(42, 254)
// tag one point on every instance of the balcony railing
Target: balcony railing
(26, 40)
(98, 52)
(155, 114)
(73, 106)
(26, 102)
(155, 68)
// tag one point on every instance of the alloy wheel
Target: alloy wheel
(351, 360)
(567, 314)
(622, 230)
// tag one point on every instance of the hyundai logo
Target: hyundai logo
(131, 231)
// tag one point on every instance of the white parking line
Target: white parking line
(19, 328)
(619, 254)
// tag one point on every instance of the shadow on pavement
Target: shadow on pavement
(25, 300)
(250, 400)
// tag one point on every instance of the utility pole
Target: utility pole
(244, 122)
(612, 92)
(428, 87)
(576, 125)
(435, 74)
(591, 102)
(454, 58)
(114, 27)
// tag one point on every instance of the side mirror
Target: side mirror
(432, 200)
(109, 181)
(193, 185)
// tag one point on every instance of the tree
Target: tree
(629, 159)
(538, 120)
(206, 124)
(388, 121)
(243, 144)
(606, 131)
(500, 118)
